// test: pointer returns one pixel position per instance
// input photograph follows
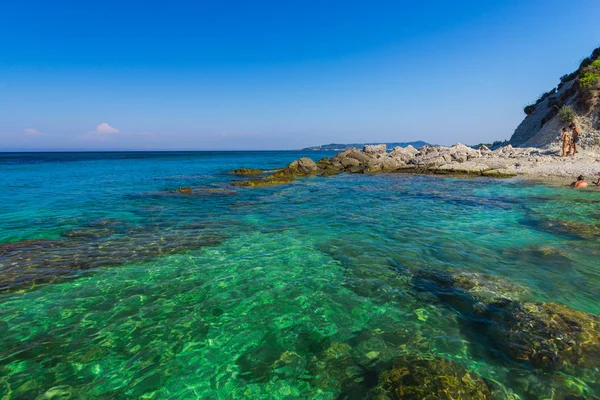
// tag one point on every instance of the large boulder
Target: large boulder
(360, 156)
(303, 166)
(375, 149)
(402, 155)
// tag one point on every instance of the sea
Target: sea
(115, 286)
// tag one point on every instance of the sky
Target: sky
(266, 75)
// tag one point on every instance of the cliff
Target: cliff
(575, 99)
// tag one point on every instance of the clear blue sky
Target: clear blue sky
(279, 74)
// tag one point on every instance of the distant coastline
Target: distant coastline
(341, 147)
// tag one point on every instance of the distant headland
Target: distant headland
(341, 147)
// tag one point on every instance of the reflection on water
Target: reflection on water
(342, 287)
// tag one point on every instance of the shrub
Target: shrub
(586, 62)
(529, 109)
(568, 77)
(588, 79)
(566, 115)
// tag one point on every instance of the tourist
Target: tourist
(576, 134)
(566, 138)
(580, 183)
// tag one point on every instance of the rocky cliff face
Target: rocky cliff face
(576, 99)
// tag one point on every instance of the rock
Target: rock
(185, 190)
(24, 246)
(304, 166)
(548, 336)
(358, 169)
(439, 378)
(255, 366)
(357, 155)
(457, 160)
(573, 229)
(391, 164)
(402, 153)
(484, 149)
(349, 162)
(375, 149)
(247, 171)
(89, 233)
(30, 263)
(264, 182)
(301, 167)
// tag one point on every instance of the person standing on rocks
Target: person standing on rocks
(566, 138)
(576, 134)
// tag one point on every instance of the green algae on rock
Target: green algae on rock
(184, 190)
(247, 171)
(438, 378)
(301, 167)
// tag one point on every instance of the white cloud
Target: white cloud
(105, 128)
(32, 131)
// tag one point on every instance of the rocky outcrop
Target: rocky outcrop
(301, 167)
(456, 160)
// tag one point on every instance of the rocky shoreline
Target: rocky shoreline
(457, 160)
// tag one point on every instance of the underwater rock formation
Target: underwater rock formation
(548, 336)
(247, 171)
(415, 378)
(26, 263)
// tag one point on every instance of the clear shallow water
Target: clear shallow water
(294, 291)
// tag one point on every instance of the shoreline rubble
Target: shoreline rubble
(459, 160)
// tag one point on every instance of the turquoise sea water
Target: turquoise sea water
(112, 287)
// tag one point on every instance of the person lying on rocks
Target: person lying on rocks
(580, 183)
(566, 138)
(576, 134)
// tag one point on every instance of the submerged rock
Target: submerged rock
(580, 230)
(185, 190)
(27, 263)
(415, 378)
(247, 171)
(256, 365)
(25, 245)
(91, 233)
(548, 336)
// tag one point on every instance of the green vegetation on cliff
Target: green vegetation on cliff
(588, 85)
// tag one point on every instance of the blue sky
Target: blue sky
(112, 75)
